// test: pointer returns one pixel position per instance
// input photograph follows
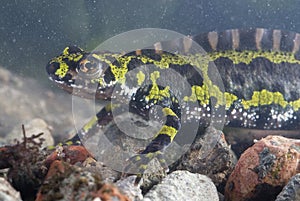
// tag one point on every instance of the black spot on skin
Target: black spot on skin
(75, 49)
(134, 63)
(109, 76)
(173, 121)
(157, 144)
(67, 79)
(151, 54)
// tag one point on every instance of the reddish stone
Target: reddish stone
(63, 181)
(76, 154)
(264, 169)
(71, 154)
(109, 192)
(57, 167)
(70, 182)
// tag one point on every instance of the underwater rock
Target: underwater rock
(7, 192)
(35, 126)
(216, 164)
(72, 154)
(183, 185)
(264, 169)
(69, 182)
(110, 192)
(126, 185)
(291, 192)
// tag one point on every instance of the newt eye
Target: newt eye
(90, 67)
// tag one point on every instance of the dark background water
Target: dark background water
(31, 32)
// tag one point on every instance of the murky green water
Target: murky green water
(31, 32)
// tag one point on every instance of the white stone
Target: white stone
(183, 185)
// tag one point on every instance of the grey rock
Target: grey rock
(33, 127)
(127, 187)
(7, 192)
(291, 192)
(210, 155)
(183, 185)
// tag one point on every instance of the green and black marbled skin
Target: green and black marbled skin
(244, 78)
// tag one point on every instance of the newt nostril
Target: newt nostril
(52, 67)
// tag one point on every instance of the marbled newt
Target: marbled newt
(259, 70)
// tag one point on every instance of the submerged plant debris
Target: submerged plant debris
(51, 174)
(25, 162)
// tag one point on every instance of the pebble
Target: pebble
(126, 185)
(69, 182)
(264, 169)
(7, 192)
(291, 192)
(217, 163)
(33, 127)
(183, 185)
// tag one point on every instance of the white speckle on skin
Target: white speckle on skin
(77, 86)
